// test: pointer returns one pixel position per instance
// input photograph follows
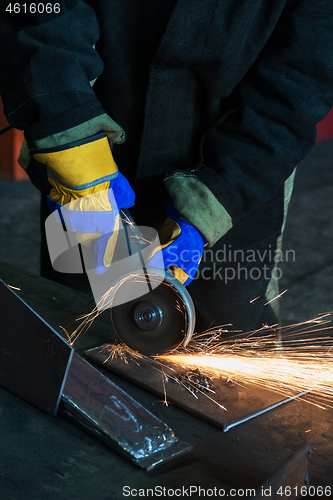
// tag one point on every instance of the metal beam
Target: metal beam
(95, 403)
(39, 366)
(34, 359)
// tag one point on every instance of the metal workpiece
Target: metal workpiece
(38, 365)
(93, 402)
(34, 358)
(265, 410)
(220, 403)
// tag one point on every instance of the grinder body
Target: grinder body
(159, 320)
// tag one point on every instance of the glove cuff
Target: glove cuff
(80, 165)
(90, 128)
(198, 205)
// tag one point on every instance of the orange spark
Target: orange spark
(304, 363)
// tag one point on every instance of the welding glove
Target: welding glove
(181, 247)
(88, 191)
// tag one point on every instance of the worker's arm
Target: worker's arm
(47, 67)
(247, 157)
(39, 96)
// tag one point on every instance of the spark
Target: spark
(88, 319)
(304, 364)
(140, 238)
(14, 287)
(137, 236)
(127, 220)
(68, 336)
(164, 380)
(285, 360)
(120, 350)
(168, 374)
(251, 301)
(107, 299)
(277, 297)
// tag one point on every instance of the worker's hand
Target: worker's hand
(89, 191)
(181, 247)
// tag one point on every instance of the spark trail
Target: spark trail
(286, 360)
(302, 362)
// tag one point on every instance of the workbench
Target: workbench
(48, 457)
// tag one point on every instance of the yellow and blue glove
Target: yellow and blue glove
(181, 247)
(88, 191)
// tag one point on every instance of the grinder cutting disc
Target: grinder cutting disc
(157, 322)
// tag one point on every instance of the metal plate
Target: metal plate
(99, 406)
(240, 403)
(33, 357)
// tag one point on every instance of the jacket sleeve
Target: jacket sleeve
(47, 61)
(248, 156)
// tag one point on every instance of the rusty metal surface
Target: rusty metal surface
(240, 403)
(107, 412)
(33, 357)
(290, 481)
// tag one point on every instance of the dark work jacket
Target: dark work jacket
(231, 89)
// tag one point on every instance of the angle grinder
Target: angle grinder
(159, 320)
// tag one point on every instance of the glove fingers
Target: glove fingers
(169, 232)
(180, 274)
(111, 244)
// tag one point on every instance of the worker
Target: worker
(209, 106)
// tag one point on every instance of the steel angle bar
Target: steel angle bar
(38, 365)
(34, 359)
(95, 403)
